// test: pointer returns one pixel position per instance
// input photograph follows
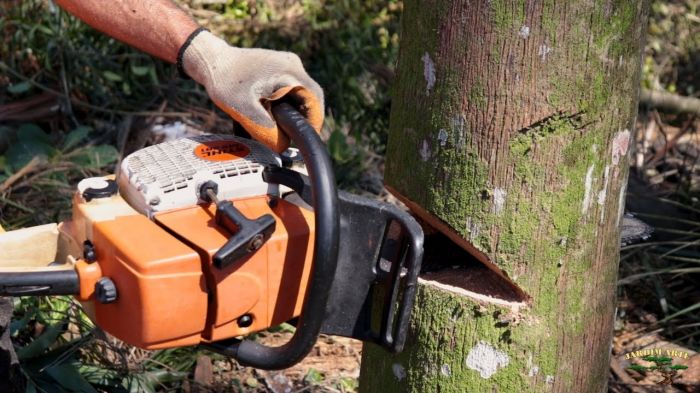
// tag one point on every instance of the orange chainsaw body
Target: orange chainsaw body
(170, 294)
(202, 239)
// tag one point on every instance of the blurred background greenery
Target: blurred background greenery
(95, 98)
(73, 101)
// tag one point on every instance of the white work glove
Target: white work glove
(244, 82)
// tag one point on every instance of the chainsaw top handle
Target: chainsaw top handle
(325, 205)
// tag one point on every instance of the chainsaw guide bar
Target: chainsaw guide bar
(205, 240)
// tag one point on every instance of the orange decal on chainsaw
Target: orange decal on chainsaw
(221, 150)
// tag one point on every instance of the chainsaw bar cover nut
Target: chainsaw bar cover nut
(105, 290)
(245, 321)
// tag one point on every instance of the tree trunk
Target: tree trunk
(11, 377)
(510, 128)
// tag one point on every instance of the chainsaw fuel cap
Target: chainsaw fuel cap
(97, 187)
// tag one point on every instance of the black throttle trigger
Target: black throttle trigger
(248, 235)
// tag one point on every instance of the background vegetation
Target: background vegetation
(73, 101)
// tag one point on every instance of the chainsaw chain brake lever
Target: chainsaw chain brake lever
(249, 235)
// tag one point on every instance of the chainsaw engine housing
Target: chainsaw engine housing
(155, 238)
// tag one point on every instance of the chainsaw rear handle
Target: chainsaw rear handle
(324, 196)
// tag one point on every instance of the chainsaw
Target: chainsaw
(205, 240)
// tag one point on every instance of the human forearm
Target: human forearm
(242, 82)
(158, 27)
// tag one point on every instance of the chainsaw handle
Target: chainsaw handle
(324, 196)
(40, 282)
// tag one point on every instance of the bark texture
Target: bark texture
(510, 128)
(11, 377)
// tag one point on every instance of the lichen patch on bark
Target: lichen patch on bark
(602, 194)
(524, 32)
(620, 145)
(445, 370)
(424, 150)
(588, 184)
(543, 51)
(442, 137)
(399, 371)
(534, 370)
(428, 72)
(499, 199)
(486, 359)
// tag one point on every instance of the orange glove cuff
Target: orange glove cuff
(303, 99)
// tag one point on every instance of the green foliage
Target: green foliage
(348, 384)
(62, 162)
(348, 47)
(655, 270)
(314, 377)
(48, 334)
(66, 356)
(666, 270)
(348, 162)
(672, 54)
(75, 137)
(52, 48)
(31, 142)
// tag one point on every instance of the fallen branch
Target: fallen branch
(670, 102)
(31, 165)
(672, 143)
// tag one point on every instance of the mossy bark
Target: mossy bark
(510, 125)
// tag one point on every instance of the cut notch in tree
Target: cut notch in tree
(454, 264)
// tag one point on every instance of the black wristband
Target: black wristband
(181, 52)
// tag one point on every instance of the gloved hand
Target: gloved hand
(244, 82)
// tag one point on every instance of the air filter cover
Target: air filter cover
(167, 176)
